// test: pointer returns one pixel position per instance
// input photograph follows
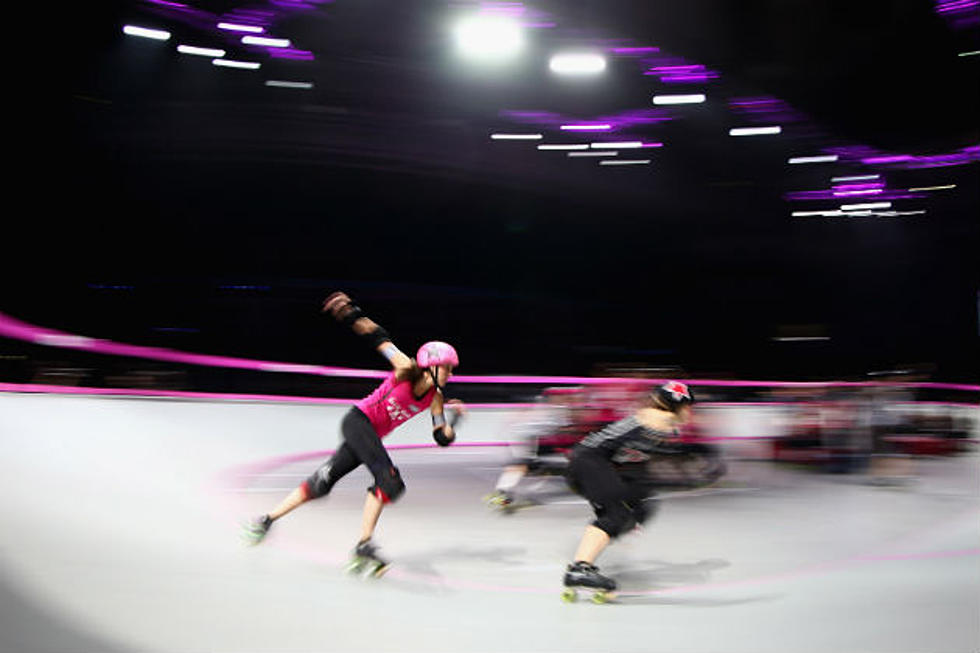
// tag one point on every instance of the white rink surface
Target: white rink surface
(118, 532)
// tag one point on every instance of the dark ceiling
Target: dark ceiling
(169, 193)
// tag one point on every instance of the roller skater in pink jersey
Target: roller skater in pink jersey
(412, 386)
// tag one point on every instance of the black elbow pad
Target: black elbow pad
(439, 435)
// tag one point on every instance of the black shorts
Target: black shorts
(361, 446)
(603, 483)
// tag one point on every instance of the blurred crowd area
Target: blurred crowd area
(876, 430)
(832, 428)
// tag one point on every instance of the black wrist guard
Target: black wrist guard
(376, 337)
(351, 315)
(439, 435)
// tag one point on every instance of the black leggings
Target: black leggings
(616, 498)
(361, 446)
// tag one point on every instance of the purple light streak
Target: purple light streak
(631, 51)
(674, 70)
(848, 193)
(870, 156)
(290, 53)
(614, 122)
(259, 19)
(897, 158)
(688, 79)
(959, 14)
(584, 128)
(807, 195)
(765, 109)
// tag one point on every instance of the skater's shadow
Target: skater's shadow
(423, 563)
(651, 582)
(660, 574)
(694, 602)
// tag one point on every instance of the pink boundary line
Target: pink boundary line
(235, 476)
(39, 388)
(16, 329)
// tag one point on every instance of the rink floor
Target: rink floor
(120, 533)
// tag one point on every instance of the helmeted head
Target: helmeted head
(438, 359)
(672, 396)
(435, 353)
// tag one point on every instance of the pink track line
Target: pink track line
(16, 329)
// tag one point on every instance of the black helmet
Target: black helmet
(672, 395)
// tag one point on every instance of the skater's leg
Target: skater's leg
(369, 521)
(510, 477)
(317, 485)
(292, 501)
(388, 485)
(594, 541)
(597, 480)
(320, 482)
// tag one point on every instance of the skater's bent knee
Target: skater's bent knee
(615, 521)
(388, 485)
(643, 511)
(318, 484)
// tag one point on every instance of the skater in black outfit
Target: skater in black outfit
(609, 468)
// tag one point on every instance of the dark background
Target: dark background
(156, 199)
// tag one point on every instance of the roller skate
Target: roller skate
(506, 502)
(255, 530)
(584, 576)
(499, 499)
(366, 560)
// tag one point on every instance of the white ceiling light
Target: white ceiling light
(577, 64)
(489, 37)
(146, 33)
(696, 98)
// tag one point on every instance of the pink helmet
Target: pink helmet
(437, 353)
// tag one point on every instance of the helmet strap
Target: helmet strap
(434, 373)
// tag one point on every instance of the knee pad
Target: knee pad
(615, 519)
(388, 485)
(644, 510)
(319, 483)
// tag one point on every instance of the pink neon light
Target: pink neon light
(39, 388)
(13, 328)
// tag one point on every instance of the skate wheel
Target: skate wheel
(602, 597)
(379, 570)
(355, 566)
(569, 595)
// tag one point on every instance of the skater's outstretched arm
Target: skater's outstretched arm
(345, 311)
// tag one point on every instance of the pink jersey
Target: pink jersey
(392, 403)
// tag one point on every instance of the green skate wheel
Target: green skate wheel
(602, 597)
(569, 595)
(379, 570)
(355, 566)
